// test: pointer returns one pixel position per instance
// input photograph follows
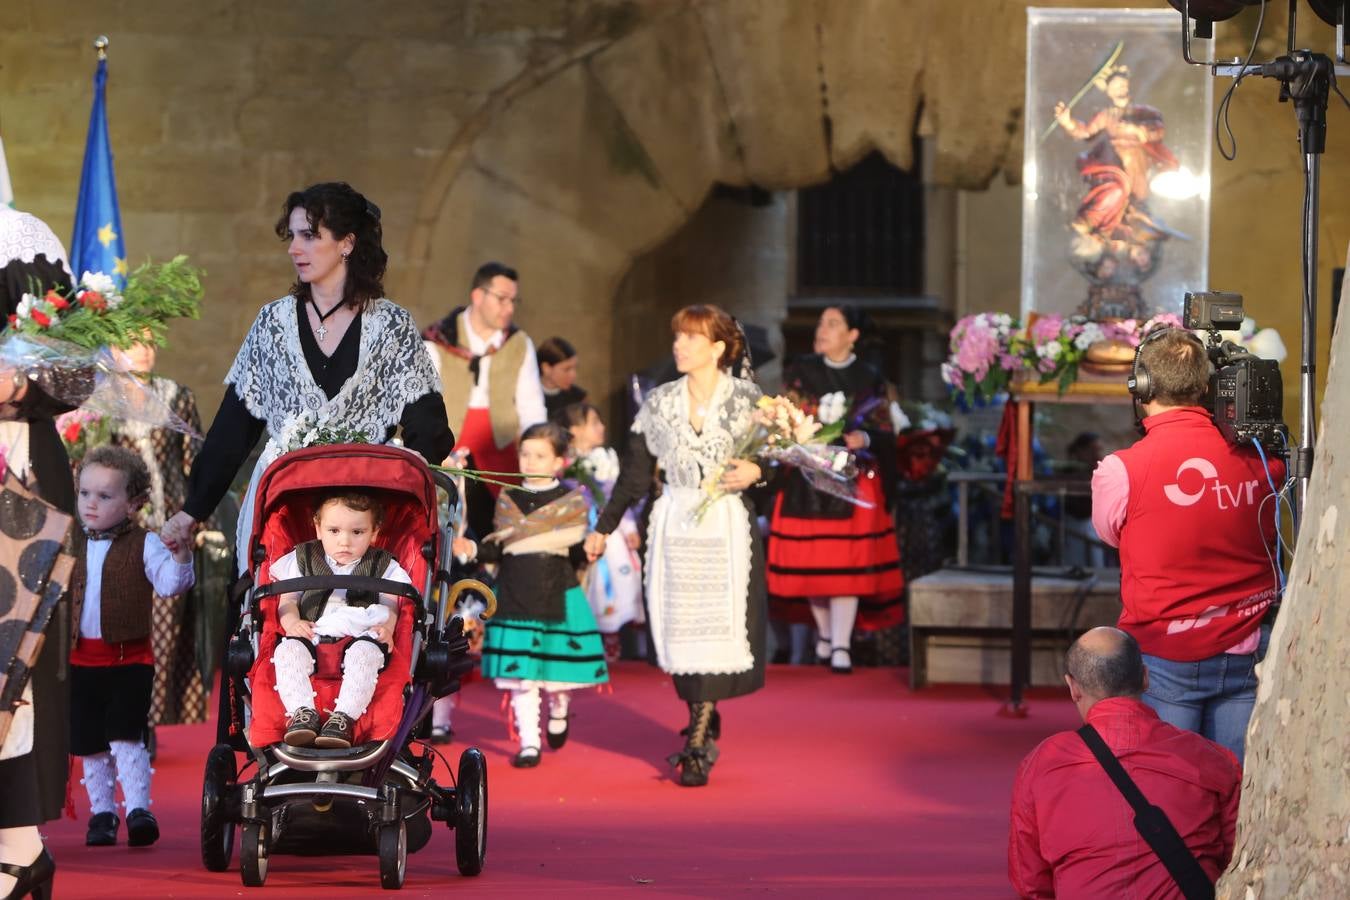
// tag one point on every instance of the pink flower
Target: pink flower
(977, 351)
(1046, 328)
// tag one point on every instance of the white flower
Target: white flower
(1049, 350)
(97, 281)
(25, 308)
(102, 284)
(603, 463)
(899, 421)
(1091, 334)
(831, 408)
(840, 461)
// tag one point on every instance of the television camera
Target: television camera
(1246, 392)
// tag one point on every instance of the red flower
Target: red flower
(56, 300)
(93, 300)
(72, 433)
(41, 318)
(13, 321)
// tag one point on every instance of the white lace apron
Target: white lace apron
(273, 380)
(698, 573)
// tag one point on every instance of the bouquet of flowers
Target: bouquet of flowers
(593, 471)
(305, 431)
(62, 341)
(81, 430)
(782, 432)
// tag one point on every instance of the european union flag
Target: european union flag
(97, 243)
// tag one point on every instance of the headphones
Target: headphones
(1140, 383)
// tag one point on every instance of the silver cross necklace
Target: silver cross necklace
(322, 331)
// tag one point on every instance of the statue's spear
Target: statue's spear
(1087, 86)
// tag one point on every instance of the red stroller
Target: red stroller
(378, 796)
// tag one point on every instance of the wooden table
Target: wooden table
(1090, 388)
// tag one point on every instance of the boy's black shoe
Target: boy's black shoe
(102, 830)
(526, 759)
(337, 732)
(142, 829)
(302, 727)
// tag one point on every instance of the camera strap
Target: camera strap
(1152, 824)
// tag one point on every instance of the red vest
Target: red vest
(1195, 574)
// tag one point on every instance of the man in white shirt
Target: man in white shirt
(488, 369)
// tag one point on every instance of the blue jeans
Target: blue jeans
(1213, 697)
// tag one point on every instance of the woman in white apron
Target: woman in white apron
(704, 575)
(333, 353)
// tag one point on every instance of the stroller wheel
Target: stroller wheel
(471, 812)
(393, 855)
(217, 832)
(253, 854)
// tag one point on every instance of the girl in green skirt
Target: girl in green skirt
(543, 637)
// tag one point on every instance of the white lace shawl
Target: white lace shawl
(688, 456)
(271, 377)
(273, 380)
(23, 236)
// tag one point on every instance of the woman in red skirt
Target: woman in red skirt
(839, 558)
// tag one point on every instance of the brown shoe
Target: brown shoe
(337, 732)
(302, 727)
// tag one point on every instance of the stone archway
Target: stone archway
(572, 172)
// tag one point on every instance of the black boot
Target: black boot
(696, 760)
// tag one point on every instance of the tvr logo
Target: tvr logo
(1227, 496)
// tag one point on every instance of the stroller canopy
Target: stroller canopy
(398, 478)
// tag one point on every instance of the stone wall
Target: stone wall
(568, 138)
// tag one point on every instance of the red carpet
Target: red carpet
(828, 786)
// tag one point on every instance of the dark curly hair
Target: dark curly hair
(343, 210)
(120, 459)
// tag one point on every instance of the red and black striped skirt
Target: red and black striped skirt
(854, 557)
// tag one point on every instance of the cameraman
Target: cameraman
(1197, 573)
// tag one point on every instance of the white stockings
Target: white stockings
(294, 667)
(127, 762)
(834, 622)
(525, 706)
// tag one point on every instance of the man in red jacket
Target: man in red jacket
(1195, 525)
(1072, 832)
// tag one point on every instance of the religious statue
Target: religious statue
(1117, 241)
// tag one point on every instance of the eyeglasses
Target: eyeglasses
(502, 297)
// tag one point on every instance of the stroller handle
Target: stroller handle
(339, 582)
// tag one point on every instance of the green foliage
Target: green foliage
(155, 293)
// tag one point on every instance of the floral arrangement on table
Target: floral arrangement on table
(63, 340)
(784, 433)
(989, 350)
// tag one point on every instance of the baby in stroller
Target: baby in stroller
(351, 609)
(347, 522)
